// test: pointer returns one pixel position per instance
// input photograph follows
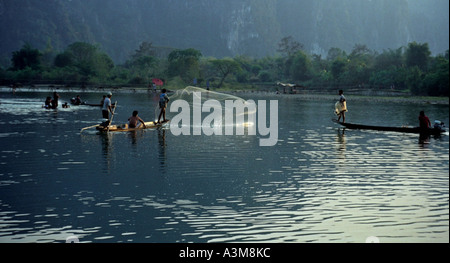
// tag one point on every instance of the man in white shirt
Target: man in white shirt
(107, 107)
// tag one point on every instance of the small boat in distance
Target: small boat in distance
(75, 103)
(430, 131)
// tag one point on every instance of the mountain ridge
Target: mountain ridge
(222, 28)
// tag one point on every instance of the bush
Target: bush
(265, 76)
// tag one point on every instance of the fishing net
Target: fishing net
(211, 110)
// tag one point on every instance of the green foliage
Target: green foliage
(338, 68)
(389, 58)
(384, 78)
(26, 74)
(89, 60)
(414, 79)
(27, 57)
(265, 76)
(225, 67)
(417, 55)
(300, 69)
(65, 75)
(335, 53)
(184, 63)
(411, 68)
(436, 82)
(289, 47)
(64, 59)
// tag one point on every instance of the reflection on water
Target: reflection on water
(320, 183)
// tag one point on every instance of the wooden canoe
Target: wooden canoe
(431, 131)
(72, 101)
(125, 128)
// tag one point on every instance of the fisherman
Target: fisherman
(424, 121)
(344, 108)
(48, 103)
(77, 100)
(54, 102)
(163, 100)
(439, 125)
(135, 121)
(107, 107)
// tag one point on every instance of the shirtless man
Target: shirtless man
(135, 121)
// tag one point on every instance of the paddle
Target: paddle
(90, 127)
(93, 126)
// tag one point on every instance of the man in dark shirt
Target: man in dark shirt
(424, 121)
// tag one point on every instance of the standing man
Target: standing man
(343, 106)
(163, 100)
(424, 121)
(107, 107)
(54, 102)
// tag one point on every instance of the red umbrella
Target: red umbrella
(158, 82)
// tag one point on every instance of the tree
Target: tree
(26, 57)
(143, 64)
(338, 67)
(359, 65)
(414, 77)
(417, 55)
(225, 67)
(145, 50)
(360, 50)
(87, 59)
(48, 54)
(301, 67)
(288, 46)
(389, 58)
(334, 53)
(436, 82)
(82, 52)
(63, 60)
(184, 63)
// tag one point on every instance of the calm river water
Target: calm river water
(319, 183)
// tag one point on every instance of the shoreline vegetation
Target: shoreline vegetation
(404, 72)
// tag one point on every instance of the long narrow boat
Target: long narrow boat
(91, 104)
(431, 131)
(72, 101)
(125, 128)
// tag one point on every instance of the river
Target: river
(319, 183)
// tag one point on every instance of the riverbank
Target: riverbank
(310, 95)
(355, 96)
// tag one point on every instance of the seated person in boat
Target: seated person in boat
(77, 100)
(48, 103)
(439, 125)
(135, 121)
